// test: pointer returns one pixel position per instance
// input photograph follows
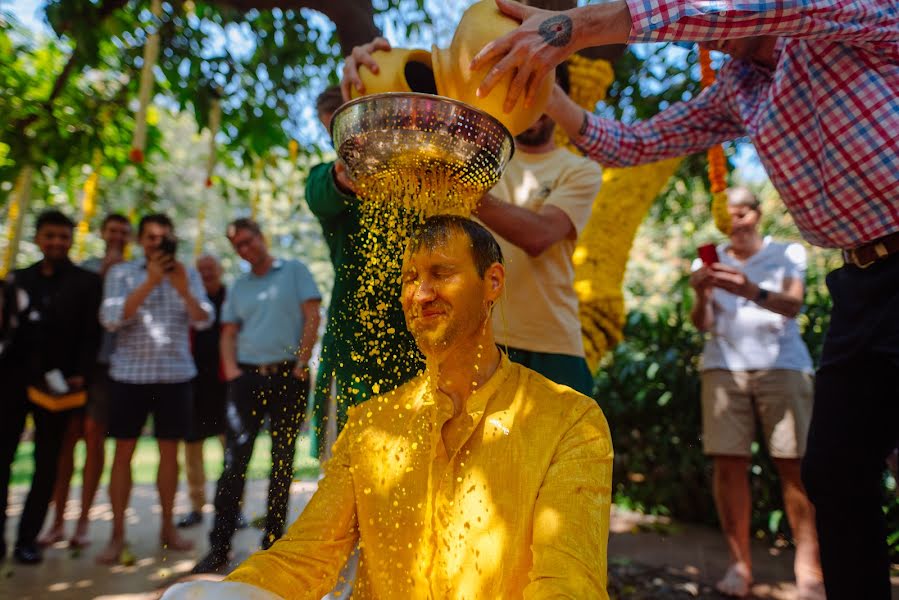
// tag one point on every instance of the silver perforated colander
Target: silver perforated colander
(423, 144)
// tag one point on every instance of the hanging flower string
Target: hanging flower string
(88, 203)
(215, 121)
(151, 54)
(18, 204)
(717, 163)
(257, 189)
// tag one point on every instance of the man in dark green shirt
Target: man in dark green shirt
(362, 353)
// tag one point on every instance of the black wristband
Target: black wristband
(761, 296)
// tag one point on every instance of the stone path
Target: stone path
(648, 558)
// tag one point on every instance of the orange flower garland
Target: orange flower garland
(717, 163)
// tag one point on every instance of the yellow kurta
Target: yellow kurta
(511, 499)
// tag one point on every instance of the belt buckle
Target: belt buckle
(850, 258)
(264, 370)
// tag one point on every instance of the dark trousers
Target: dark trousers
(249, 398)
(855, 424)
(49, 428)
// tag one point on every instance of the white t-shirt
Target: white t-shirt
(747, 337)
(539, 310)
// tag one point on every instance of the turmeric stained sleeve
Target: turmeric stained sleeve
(571, 517)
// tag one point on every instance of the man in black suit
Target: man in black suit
(48, 364)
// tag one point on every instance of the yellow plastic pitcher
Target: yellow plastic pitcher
(482, 23)
(400, 70)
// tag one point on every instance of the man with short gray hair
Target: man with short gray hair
(270, 323)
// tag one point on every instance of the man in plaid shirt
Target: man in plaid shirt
(815, 86)
(150, 303)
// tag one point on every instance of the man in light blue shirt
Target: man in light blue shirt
(270, 322)
(150, 303)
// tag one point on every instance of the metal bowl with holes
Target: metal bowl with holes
(439, 142)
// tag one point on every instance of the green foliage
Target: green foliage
(649, 391)
(89, 115)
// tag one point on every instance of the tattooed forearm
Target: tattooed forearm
(556, 31)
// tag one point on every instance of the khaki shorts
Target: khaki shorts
(731, 401)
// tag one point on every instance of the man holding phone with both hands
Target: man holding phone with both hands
(755, 365)
(151, 303)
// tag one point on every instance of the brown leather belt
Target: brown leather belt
(281, 368)
(867, 254)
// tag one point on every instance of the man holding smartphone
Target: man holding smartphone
(755, 366)
(151, 303)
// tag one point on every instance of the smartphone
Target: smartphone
(169, 247)
(708, 254)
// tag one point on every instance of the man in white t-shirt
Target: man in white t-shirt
(755, 365)
(537, 210)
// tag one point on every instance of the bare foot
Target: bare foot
(811, 590)
(51, 536)
(173, 541)
(736, 581)
(80, 539)
(112, 554)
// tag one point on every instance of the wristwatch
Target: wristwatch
(762, 296)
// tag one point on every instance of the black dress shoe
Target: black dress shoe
(214, 562)
(28, 554)
(190, 519)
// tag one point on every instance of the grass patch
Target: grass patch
(146, 459)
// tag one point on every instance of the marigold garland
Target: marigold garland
(717, 163)
(18, 204)
(601, 255)
(88, 203)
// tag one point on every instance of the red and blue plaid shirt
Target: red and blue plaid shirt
(825, 121)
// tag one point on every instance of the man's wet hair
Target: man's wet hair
(53, 217)
(436, 231)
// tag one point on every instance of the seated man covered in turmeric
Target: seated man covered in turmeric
(478, 479)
